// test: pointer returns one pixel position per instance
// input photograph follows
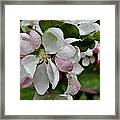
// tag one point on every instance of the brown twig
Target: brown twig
(89, 91)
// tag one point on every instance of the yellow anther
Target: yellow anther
(42, 55)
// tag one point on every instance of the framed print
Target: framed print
(60, 59)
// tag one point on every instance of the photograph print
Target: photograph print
(59, 59)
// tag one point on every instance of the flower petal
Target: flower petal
(73, 84)
(69, 97)
(71, 40)
(35, 38)
(92, 59)
(26, 46)
(53, 73)
(66, 96)
(76, 22)
(97, 47)
(85, 61)
(37, 27)
(26, 83)
(25, 79)
(63, 65)
(23, 73)
(24, 36)
(66, 52)
(53, 40)
(76, 57)
(99, 56)
(86, 21)
(30, 62)
(72, 21)
(87, 28)
(41, 79)
(82, 54)
(89, 52)
(77, 69)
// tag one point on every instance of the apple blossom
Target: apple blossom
(73, 84)
(88, 56)
(33, 23)
(40, 68)
(67, 56)
(48, 72)
(85, 27)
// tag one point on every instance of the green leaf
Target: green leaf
(84, 45)
(69, 30)
(45, 24)
(96, 97)
(92, 36)
(92, 45)
(90, 78)
(96, 36)
(88, 41)
(27, 93)
(83, 97)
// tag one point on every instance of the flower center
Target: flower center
(42, 55)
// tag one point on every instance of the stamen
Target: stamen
(42, 56)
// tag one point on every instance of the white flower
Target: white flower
(85, 26)
(73, 84)
(67, 60)
(33, 23)
(67, 56)
(41, 69)
(88, 56)
(40, 74)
